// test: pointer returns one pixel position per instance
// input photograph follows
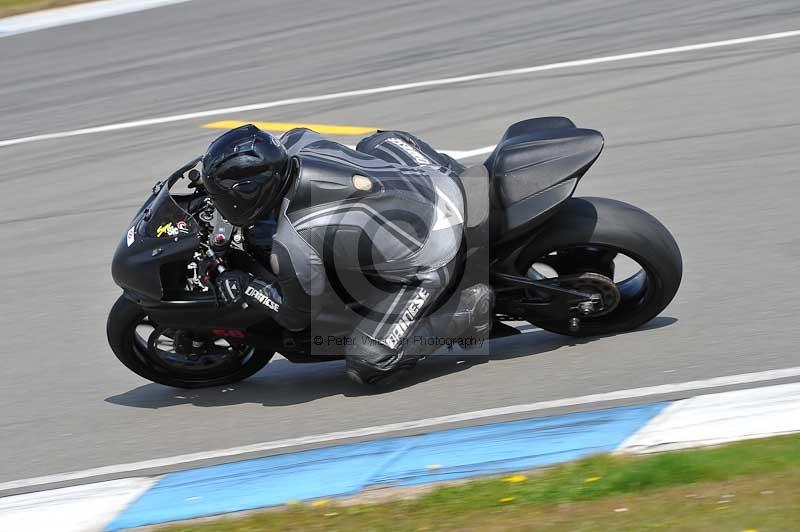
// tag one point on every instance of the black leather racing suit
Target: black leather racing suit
(381, 228)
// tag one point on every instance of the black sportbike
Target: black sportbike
(574, 266)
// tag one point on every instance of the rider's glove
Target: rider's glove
(263, 295)
(231, 285)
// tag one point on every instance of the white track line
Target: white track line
(466, 154)
(720, 418)
(63, 16)
(633, 393)
(458, 154)
(400, 87)
(76, 509)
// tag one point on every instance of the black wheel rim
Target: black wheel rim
(635, 282)
(210, 358)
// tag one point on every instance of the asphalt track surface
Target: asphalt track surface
(707, 141)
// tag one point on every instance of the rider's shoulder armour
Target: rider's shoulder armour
(323, 180)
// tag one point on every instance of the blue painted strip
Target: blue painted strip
(516, 445)
(258, 483)
(347, 469)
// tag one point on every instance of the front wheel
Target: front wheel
(617, 252)
(171, 357)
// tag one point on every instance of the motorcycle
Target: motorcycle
(551, 258)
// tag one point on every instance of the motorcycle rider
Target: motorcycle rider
(380, 227)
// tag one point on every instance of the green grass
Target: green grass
(659, 485)
(17, 7)
(620, 474)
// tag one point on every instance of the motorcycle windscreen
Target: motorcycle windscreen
(164, 218)
(161, 234)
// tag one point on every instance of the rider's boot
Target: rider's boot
(469, 325)
(472, 319)
(381, 379)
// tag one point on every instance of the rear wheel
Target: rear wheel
(615, 251)
(173, 357)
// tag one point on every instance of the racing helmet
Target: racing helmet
(246, 173)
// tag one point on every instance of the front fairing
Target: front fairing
(162, 234)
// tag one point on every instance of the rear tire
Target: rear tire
(123, 319)
(613, 225)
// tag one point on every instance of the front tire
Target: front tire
(138, 356)
(582, 237)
